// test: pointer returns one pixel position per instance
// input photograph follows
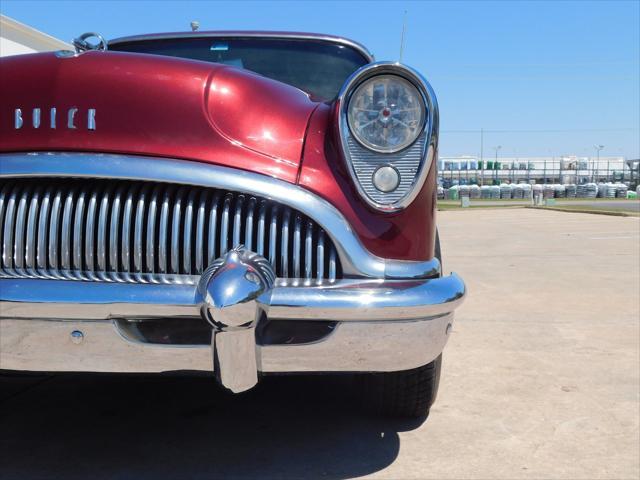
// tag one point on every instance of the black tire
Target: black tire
(408, 393)
(405, 394)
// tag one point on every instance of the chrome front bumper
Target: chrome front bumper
(383, 325)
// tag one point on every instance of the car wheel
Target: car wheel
(406, 394)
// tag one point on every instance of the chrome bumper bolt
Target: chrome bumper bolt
(77, 337)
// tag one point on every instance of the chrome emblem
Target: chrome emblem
(73, 117)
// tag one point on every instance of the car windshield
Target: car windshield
(319, 68)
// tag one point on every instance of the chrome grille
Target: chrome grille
(107, 230)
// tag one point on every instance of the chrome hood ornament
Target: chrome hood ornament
(82, 45)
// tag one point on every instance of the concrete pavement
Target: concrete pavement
(540, 380)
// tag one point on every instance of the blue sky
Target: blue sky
(542, 78)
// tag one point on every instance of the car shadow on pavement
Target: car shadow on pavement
(109, 426)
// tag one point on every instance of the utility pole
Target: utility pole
(598, 148)
(495, 163)
(481, 156)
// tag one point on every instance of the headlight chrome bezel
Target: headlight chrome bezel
(367, 143)
(425, 141)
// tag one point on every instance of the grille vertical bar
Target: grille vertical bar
(7, 244)
(54, 226)
(130, 231)
(21, 219)
(32, 229)
(41, 256)
(200, 232)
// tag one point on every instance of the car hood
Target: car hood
(116, 102)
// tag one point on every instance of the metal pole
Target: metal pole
(598, 148)
(404, 22)
(495, 163)
(481, 156)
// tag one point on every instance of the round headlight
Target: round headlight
(386, 113)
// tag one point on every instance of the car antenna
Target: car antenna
(404, 22)
(195, 25)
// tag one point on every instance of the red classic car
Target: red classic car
(241, 203)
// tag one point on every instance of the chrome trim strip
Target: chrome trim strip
(53, 230)
(296, 247)
(284, 245)
(356, 261)
(248, 231)
(65, 244)
(21, 218)
(343, 300)
(41, 255)
(3, 203)
(32, 223)
(320, 254)
(213, 228)
(237, 221)
(101, 249)
(200, 219)
(8, 220)
(188, 233)
(78, 229)
(126, 254)
(333, 263)
(174, 264)
(273, 235)
(224, 225)
(138, 230)
(430, 129)
(151, 229)
(308, 252)
(240, 34)
(90, 235)
(261, 227)
(114, 225)
(163, 232)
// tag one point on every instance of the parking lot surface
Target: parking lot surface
(540, 380)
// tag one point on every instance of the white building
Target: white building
(17, 38)
(565, 169)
